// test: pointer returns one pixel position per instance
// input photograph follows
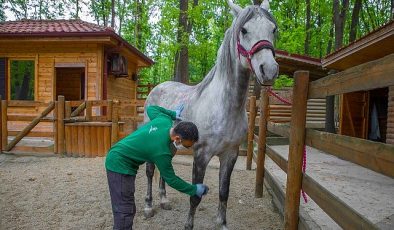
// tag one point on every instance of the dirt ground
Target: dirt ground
(72, 193)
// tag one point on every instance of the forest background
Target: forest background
(183, 36)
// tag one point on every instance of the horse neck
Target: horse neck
(228, 80)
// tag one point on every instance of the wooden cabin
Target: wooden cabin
(42, 59)
(366, 114)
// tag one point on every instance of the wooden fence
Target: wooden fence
(372, 155)
(77, 128)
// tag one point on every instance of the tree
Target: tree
(355, 21)
(308, 27)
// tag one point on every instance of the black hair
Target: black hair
(187, 130)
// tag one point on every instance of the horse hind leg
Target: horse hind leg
(164, 202)
(227, 162)
(148, 210)
(199, 168)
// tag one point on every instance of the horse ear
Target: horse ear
(265, 5)
(235, 9)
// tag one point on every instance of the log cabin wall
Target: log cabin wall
(47, 56)
(390, 117)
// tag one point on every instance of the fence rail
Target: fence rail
(372, 155)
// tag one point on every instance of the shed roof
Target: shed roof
(375, 45)
(64, 28)
(289, 63)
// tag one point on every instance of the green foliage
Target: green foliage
(283, 81)
(154, 29)
(22, 80)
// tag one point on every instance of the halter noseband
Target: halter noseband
(262, 44)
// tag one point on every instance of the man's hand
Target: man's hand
(202, 190)
(178, 111)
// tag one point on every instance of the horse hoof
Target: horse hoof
(148, 212)
(166, 206)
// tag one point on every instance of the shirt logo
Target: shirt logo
(152, 129)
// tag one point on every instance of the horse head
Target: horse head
(254, 30)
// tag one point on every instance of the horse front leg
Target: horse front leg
(227, 162)
(148, 210)
(199, 167)
(164, 202)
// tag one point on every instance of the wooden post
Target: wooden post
(115, 125)
(252, 119)
(55, 143)
(109, 111)
(264, 104)
(297, 142)
(67, 110)
(88, 110)
(60, 125)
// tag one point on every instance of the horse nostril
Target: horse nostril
(262, 70)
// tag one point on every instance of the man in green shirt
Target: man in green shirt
(150, 143)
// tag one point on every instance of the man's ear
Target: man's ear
(235, 9)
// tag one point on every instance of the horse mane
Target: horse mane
(224, 59)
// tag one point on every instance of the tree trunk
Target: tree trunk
(355, 21)
(181, 70)
(113, 14)
(340, 18)
(308, 27)
(77, 9)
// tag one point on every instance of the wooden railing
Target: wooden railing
(77, 128)
(372, 155)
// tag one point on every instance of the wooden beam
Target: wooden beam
(28, 128)
(60, 125)
(20, 103)
(115, 125)
(252, 119)
(32, 134)
(376, 156)
(279, 129)
(4, 127)
(264, 105)
(344, 215)
(371, 75)
(297, 142)
(27, 118)
(88, 114)
(80, 108)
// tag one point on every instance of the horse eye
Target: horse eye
(243, 31)
(274, 30)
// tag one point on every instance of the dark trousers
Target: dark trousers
(121, 189)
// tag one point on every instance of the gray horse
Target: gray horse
(217, 104)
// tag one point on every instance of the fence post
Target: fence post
(264, 104)
(109, 110)
(297, 142)
(60, 125)
(88, 110)
(55, 124)
(67, 110)
(4, 127)
(115, 124)
(252, 119)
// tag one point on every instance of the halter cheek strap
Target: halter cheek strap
(262, 44)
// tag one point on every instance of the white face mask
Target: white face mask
(179, 146)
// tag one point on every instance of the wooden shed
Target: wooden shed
(366, 114)
(42, 59)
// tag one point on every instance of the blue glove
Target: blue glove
(178, 111)
(202, 190)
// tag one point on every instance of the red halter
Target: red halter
(262, 44)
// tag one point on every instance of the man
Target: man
(149, 143)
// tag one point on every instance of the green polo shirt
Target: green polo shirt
(149, 143)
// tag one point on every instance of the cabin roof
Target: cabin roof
(64, 28)
(289, 63)
(372, 46)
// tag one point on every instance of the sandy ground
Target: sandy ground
(72, 193)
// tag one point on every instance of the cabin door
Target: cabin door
(70, 82)
(354, 114)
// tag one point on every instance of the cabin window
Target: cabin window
(22, 79)
(3, 78)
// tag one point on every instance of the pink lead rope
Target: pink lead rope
(304, 152)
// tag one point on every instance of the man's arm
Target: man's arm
(167, 172)
(153, 111)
